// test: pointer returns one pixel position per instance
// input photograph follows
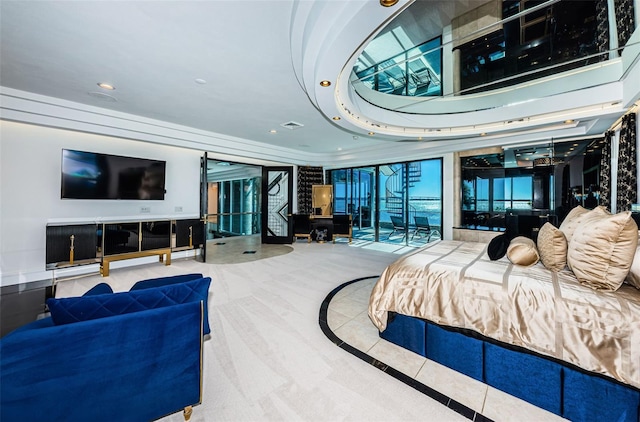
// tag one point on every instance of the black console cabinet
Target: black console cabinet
(80, 244)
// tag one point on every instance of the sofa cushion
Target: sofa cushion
(75, 309)
(99, 289)
(552, 247)
(164, 281)
(523, 251)
(602, 249)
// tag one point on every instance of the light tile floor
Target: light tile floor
(347, 317)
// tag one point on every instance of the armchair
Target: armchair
(140, 361)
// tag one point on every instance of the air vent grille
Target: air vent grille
(292, 125)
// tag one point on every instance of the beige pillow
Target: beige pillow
(602, 250)
(552, 247)
(575, 217)
(523, 251)
(633, 277)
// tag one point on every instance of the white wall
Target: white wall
(30, 161)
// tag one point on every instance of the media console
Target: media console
(102, 243)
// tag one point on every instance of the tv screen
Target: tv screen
(90, 175)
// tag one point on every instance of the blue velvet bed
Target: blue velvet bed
(487, 319)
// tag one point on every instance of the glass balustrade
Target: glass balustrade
(532, 40)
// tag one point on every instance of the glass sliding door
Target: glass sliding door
(355, 194)
(363, 202)
(392, 192)
(424, 201)
(397, 203)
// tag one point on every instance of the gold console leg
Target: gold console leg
(187, 412)
(104, 269)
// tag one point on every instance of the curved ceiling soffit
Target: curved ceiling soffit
(324, 36)
(326, 39)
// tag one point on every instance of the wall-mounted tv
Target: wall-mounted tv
(90, 175)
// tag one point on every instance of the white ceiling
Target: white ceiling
(153, 52)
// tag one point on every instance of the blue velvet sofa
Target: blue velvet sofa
(130, 356)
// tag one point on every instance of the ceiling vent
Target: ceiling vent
(292, 125)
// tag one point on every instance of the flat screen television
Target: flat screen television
(90, 175)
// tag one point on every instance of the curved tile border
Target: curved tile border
(411, 382)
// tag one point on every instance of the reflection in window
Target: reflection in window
(388, 66)
(524, 187)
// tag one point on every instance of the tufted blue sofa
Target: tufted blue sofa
(130, 356)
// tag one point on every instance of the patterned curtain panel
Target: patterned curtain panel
(307, 177)
(602, 29)
(605, 171)
(627, 165)
(624, 21)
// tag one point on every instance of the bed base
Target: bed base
(547, 383)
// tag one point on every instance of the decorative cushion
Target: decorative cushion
(575, 217)
(75, 309)
(99, 289)
(633, 277)
(602, 250)
(522, 251)
(164, 281)
(497, 247)
(552, 247)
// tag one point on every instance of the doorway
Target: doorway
(233, 199)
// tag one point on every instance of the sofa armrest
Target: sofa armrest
(136, 366)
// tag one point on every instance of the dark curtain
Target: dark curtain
(605, 171)
(624, 21)
(602, 29)
(627, 165)
(307, 177)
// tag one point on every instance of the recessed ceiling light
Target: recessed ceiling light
(325, 83)
(568, 121)
(336, 117)
(388, 3)
(273, 131)
(339, 149)
(483, 134)
(104, 85)
(356, 137)
(200, 81)
(371, 133)
(419, 138)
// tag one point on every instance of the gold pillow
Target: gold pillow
(552, 247)
(575, 217)
(523, 251)
(602, 250)
(633, 277)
